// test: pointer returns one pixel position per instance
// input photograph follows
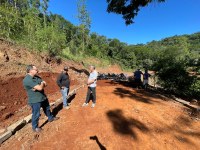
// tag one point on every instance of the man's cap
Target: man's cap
(65, 68)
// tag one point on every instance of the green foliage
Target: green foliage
(172, 73)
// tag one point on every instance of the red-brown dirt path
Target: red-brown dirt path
(123, 119)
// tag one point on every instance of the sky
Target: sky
(154, 22)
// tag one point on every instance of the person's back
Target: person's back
(137, 74)
(146, 76)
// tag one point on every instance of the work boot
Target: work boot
(93, 105)
(37, 130)
(85, 104)
(66, 107)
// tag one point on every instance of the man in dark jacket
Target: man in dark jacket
(34, 87)
(63, 82)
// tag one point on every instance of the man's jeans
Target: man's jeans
(64, 92)
(93, 91)
(36, 112)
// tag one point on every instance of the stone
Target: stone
(7, 115)
(28, 118)
(2, 108)
(5, 136)
(17, 126)
(2, 130)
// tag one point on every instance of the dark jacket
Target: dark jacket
(63, 80)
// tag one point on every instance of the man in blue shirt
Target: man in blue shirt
(92, 83)
(146, 79)
(34, 87)
(137, 77)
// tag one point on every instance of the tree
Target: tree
(84, 21)
(128, 8)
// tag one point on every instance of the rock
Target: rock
(5, 136)
(7, 115)
(20, 138)
(17, 126)
(28, 118)
(2, 108)
(2, 131)
(193, 102)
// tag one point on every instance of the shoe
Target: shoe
(85, 104)
(54, 119)
(37, 130)
(66, 107)
(69, 104)
(93, 105)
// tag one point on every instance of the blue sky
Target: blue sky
(154, 22)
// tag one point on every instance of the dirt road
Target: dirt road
(124, 119)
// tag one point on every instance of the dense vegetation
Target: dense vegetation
(29, 23)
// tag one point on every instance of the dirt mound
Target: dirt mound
(13, 95)
(110, 69)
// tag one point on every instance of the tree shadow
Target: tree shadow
(178, 128)
(123, 125)
(59, 107)
(124, 93)
(80, 70)
(98, 142)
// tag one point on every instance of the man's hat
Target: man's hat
(65, 68)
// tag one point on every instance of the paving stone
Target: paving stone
(17, 126)
(5, 136)
(28, 118)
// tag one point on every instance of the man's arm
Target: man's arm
(40, 87)
(93, 80)
(59, 81)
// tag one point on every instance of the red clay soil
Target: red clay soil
(123, 119)
(13, 97)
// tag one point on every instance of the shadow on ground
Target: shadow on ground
(123, 125)
(58, 108)
(80, 71)
(180, 129)
(124, 93)
(98, 142)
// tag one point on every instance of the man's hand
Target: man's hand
(62, 87)
(45, 84)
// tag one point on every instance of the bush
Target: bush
(173, 76)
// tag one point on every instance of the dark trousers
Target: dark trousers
(91, 90)
(36, 112)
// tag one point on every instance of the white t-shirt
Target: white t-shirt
(93, 75)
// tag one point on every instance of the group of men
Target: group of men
(137, 78)
(34, 86)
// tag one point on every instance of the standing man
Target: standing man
(92, 83)
(137, 77)
(34, 87)
(63, 82)
(146, 76)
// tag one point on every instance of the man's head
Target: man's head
(65, 69)
(32, 70)
(92, 68)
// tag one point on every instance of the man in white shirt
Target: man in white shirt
(92, 83)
